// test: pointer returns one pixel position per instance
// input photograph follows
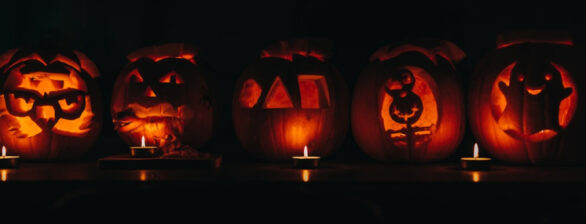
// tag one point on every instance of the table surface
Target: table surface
(363, 191)
(329, 172)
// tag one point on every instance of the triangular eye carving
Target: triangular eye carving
(134, 76)
(278, 96)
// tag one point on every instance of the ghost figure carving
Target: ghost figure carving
(533, 96)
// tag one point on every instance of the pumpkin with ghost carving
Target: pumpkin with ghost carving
(50, 105)
(523, 103)
(408, 104)
(163, 94)
(290, 98)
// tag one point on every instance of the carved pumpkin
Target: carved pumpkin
(290, 98)
(50, 106)
(407, 104)
(524, 99)
(164, 95)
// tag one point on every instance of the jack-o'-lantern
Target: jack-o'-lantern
(408, 105)
(50, 105)
(163, 94)
(290, 98)
(523, 103)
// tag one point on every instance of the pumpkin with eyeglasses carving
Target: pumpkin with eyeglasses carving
(50, 104)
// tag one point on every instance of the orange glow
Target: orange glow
(278, 97)
(305, 175)
(426, 90)
(385, 53)
(32, 57)
(299, 131)
(3, 151)
(250, 93)
(475, 150)
(498, 99)
(567, 106)
(305, 153)
(149, 92)
(475, 176)
(169, 77)
(515, 42)
(65, 60)
(87, 65)
(289, 55)
(313, 91)
(79, 126)
(4, 175)
(158, 53)
(142, 143)
(134, 76)
(143, 176)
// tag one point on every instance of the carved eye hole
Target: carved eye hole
(21, 102)
(406, 78)
(548, 76)
(135, 76)
(71, 103)
(521, 77)
(171, 77)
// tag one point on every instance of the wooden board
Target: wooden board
(128, 162)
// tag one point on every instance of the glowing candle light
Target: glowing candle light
(475, 162)
(8, 161)
(143, 150)
(306, 161)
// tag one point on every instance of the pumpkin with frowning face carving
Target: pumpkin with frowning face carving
(50, 106)
(524, 105)
(163, 94)
(408, 104)
(290, 98)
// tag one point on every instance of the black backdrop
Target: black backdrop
(231, 35)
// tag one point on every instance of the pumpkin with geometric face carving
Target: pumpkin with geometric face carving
(408, 105)
(524, 99)
(290, 98)
(163, 95)
(50, 106)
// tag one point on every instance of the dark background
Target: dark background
(232, 34)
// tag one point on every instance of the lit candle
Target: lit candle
(8, 161)
(305, 161)
(475, 163)
(143, 150)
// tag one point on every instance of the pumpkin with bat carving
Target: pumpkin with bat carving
(523, 103)
(290, 98)
(50, 104)
(408, 104)
(164, 95)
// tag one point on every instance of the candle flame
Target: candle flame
(142, 143)
(475, 150)
(305, 154)
(3, 151)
